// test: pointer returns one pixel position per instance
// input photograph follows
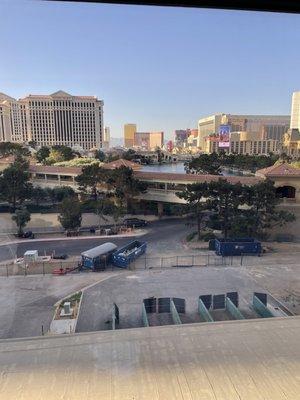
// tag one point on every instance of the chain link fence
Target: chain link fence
(60, 267)
(38, 268)
(199, 260)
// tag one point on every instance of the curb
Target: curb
(74, 238)
(56, 305)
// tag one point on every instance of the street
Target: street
(163, 237)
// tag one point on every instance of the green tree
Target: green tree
(102, 208)
(14, 183)
(100, 155)
(125, 185)
(21, 217)
(70, 213)
(65, 151)
(196, 195)
(130, 155)
(50, 194)
(42, 154)
(32, 143)
(205, 164)
(92, 176)
(62, 192)
(159, 154)
(59, 153)
(58, 193)
(38, 194)
(262, 211)
(214, 162)
(15, 149)
(117, 211)
(238, 210)
(225, 199)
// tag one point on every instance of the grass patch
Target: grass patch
(75, 298)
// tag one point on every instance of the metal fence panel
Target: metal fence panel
(203, 311)
(150, 305)
(207, 300)
(179, 304)
(261, 308)
(262, 297)
(234, 297)
(174, 313)
(164, 305)
(233, 310)
(144, 316)
(219, 301)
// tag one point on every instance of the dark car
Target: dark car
(26, 235)
(135, 222)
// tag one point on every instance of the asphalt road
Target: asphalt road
(162, 237)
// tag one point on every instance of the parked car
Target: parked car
(60, 256)
(135, 222)
(25, 235)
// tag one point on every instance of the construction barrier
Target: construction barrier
(174, 313)
(233, 310)
(203, 311)
(261, 309)
(144, 316)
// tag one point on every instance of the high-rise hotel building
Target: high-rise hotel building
(295, 112)
(129, 134)
(58, 118)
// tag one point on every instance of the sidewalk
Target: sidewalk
(5, 240)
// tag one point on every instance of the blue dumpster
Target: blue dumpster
(98, 258)
(237, 247)
(126, 254)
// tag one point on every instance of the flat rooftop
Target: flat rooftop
(233, 360)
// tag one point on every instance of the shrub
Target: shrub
(191, 236)
(206, 237)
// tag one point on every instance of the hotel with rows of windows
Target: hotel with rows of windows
(58, 118)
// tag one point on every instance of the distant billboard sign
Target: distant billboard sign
(224, 131)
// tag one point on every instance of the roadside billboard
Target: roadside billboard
(224, 132)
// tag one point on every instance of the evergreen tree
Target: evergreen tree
(70, 213)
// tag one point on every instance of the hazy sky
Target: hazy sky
(161, 68)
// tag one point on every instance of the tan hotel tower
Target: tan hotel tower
(58, 118)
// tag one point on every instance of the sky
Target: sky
(159, 67)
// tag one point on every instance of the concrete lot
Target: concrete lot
(27, 303)
(129, 289)
(233, 360)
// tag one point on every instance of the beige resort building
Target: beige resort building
(58, 118)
